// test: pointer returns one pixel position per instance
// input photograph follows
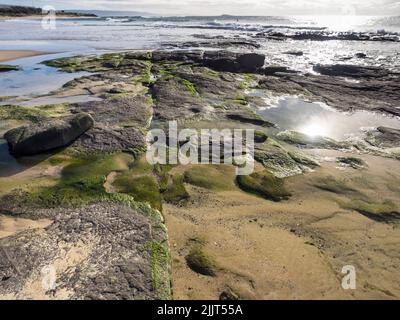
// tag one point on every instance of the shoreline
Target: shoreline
(9, 55)
(38, 17)
(224, 236)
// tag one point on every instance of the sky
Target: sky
(237, 7)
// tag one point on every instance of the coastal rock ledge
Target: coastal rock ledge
(48, 135)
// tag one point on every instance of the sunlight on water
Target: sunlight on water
(314, 129)
(317, 119)
(345, 22)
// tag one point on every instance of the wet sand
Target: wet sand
(294, 249)
(11, 225)
(8, 55)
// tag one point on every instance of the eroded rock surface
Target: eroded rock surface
(100, 251)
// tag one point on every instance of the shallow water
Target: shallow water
(8, 164)
(47, 100)
(292, 113)
(80, 35)
(34, 78)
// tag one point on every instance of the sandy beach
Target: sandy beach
(8, 55)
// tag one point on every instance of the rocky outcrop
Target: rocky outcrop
(6, 68)
(102, 251)
(47, 135)
(380, 94)
(384, 137)
(324, 35)
(250, 119)
(352, 71)
(281, 162)
(21, 11)
(272, 70)
(232, 62)
(216, 43)
(303, 140)
(118, 128)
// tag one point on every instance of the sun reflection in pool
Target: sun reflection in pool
(315, 129)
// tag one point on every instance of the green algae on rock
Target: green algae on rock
(141, 188)
(200, 262)
(385, 211)
(7, 68)
(212, 177)
(304, 140)
(264, 184)
(331, 184)
(175, 191)
(281, 162)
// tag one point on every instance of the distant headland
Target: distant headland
(22, 11)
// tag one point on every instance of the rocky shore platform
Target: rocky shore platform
(116, 224)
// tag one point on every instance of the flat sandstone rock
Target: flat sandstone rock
(92, 252)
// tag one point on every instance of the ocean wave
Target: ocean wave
(393, 21)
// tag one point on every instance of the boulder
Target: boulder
(220, 61)
(48, 135)
(233, 62)
(384, 137)
(250, 62)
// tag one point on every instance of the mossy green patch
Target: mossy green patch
(148, 100)
(241, 99)
(264, 184)
(8, 112)
(200, 262)
(140, 166)
(212, 177)
(7, 67)
(146, 77)
(81, 182)
(331, 184)
(162, 172)
(260, 136)
(141, 188)
(33, 114)
(190, 87)
(92, 63)
(209, 72)
(385, 211)
(175, 191)
(245, 83)
(160, 261)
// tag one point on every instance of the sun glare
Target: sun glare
(314, 129)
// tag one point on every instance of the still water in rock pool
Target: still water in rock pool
(317, 119)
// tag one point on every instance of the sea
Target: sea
(111, 33)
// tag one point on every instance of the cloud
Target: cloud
(215, 7)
